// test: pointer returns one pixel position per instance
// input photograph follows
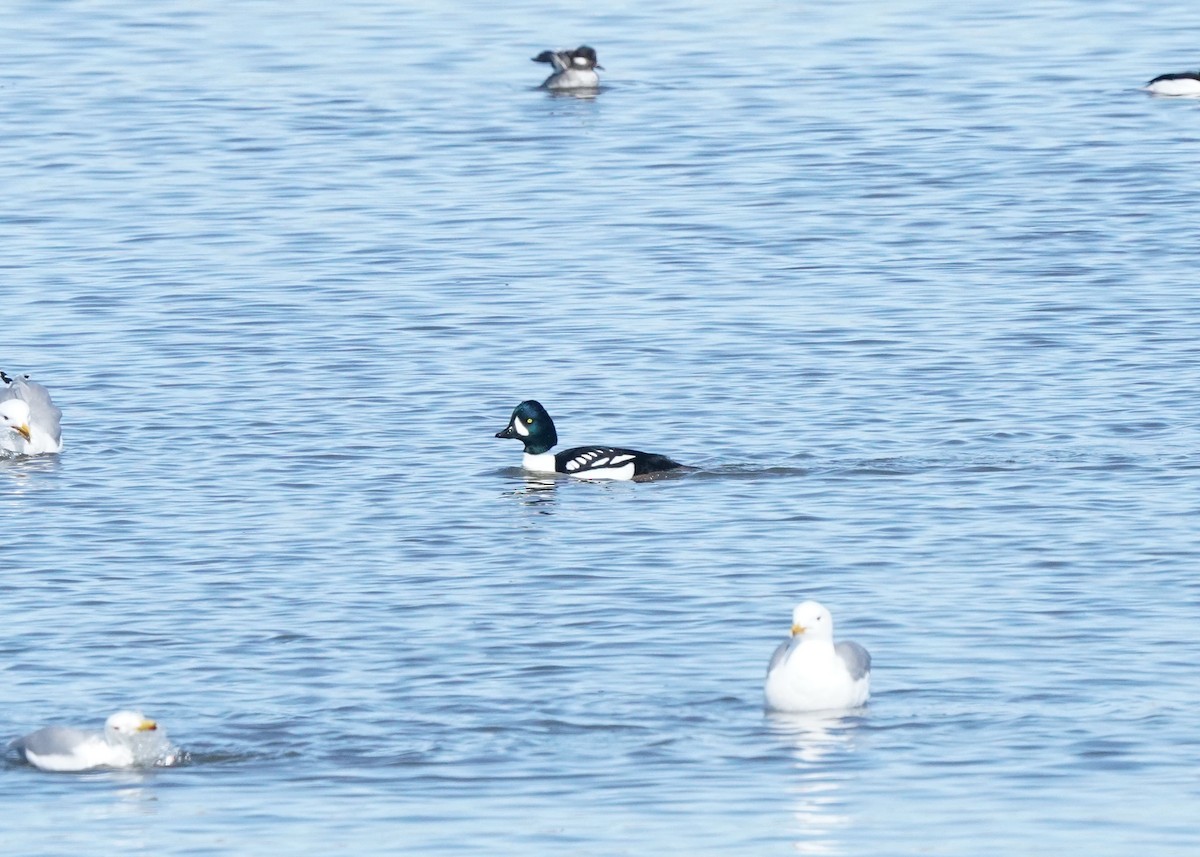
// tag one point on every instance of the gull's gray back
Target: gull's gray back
(855, 657)
(51, 741)
(42, 411)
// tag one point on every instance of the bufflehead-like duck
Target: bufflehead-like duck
(1184, 83)
(809, 672)
(531, 424)
(29, 420)
(572, 69)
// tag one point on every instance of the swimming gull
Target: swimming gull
(129, 740)
(809, 673)
(29, 421)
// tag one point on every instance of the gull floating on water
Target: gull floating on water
(29, 421)
(808, 672)
(129, 740)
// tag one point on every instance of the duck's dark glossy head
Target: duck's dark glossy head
(531, 424)
(584, 57)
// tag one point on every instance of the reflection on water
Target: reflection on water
(25, 465)
(821, 741)
(134, 795)
(535, 490)
(18, 472)
(581, 94)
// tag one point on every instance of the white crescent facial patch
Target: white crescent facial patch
(519, 427)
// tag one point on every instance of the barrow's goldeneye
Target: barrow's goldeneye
(531, 424)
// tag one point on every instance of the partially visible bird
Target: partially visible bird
(30, 423)
(1182, 83)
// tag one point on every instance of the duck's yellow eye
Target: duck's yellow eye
(529, 421)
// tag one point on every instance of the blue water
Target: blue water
(913, 286)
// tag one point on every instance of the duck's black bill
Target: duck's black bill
(508, 432)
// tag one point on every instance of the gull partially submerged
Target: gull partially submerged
(129, 740)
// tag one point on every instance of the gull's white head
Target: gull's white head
(813, 621)
(128, 723)
(14, 414)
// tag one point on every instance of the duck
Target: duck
(572, 69)
(1183, 83)
(531, 424)
(30, 422)
(809, 672)
(63, 748)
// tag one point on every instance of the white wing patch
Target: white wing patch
(587, 459)
(594, 459)
(601, 462)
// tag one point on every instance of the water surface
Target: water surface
(909, 285)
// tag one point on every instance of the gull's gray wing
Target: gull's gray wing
(855, 657)
(51, 741)
(781, 653)
(42, 412)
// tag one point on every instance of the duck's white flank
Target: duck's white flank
(623, 472)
